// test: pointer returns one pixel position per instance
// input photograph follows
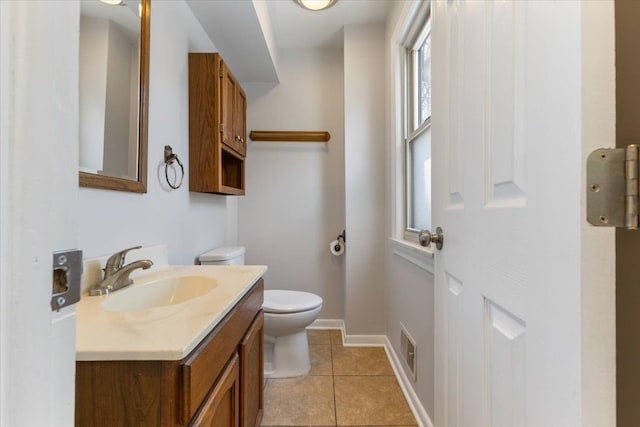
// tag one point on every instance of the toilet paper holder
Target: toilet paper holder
(337, 246)
(342, 238)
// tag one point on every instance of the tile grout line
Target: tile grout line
(334, 385)
(333, 382)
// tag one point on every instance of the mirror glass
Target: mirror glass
(114, 41)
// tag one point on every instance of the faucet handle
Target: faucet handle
(116, 261)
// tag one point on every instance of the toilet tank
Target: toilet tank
(223, 256)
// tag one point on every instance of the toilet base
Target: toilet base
(286, 356)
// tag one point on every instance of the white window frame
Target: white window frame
(405, 33)
(412, 129)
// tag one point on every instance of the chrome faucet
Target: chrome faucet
(116, 274)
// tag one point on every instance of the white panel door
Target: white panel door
(507, 147)
(38, 205)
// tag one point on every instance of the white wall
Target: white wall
(190, 223)
(364, 96)
(294, 202)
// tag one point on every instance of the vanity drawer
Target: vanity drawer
(201, 369)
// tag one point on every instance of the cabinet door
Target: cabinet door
(229, 89)
(252, 374)
(221, 408)
(240, 120)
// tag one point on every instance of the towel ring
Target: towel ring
(169, 158)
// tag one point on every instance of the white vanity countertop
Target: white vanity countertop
(162, 333)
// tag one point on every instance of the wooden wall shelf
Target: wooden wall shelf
(296, 136)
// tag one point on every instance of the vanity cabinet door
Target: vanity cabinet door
(252, 374)
(221, 407)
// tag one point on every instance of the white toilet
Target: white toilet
(286, 316)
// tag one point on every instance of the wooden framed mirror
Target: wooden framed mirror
(114, 94)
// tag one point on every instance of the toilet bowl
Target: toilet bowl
(286, 316)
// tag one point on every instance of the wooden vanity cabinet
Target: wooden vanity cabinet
(220, 383)
(217, 127)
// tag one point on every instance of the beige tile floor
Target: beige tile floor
(347, 386)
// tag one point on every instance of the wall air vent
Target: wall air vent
(408, 350)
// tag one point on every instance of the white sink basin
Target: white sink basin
(160, 293)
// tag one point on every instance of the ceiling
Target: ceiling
(248, 34)
(295, 27)
(126, 17)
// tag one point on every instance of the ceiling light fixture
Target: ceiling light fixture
(113, 2)
(316, 4)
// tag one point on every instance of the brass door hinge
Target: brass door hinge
(612, 193)
(221, 127)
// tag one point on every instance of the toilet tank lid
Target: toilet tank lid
(222, 254)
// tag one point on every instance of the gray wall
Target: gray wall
(118, 104)
(364, 94)
(294, 203)
(93, 90)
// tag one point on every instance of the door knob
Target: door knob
(426, 238)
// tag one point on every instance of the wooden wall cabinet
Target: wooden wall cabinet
(217, 127)
(220, 383)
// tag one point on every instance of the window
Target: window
(418, 133)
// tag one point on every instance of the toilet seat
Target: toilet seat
(279, 301)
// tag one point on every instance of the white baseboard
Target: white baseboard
(349, 340)
(364, 340)
(327, 324)
(421, 415)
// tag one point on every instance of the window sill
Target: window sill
(415, 254)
